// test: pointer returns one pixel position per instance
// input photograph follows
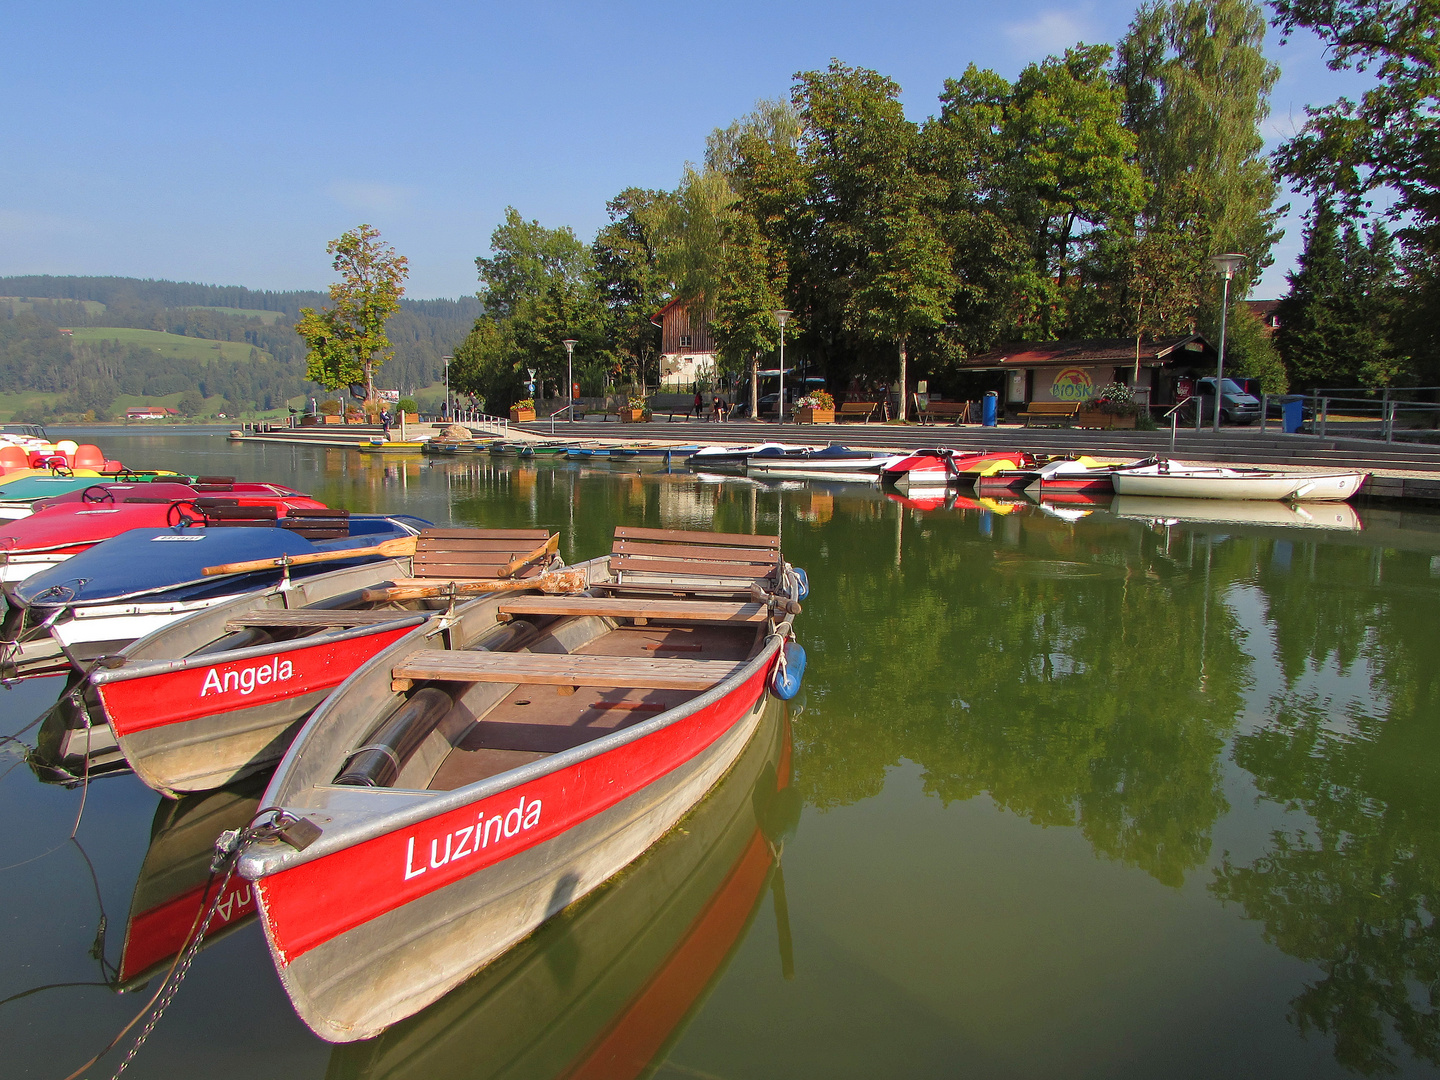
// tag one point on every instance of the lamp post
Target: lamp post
(1225, 264)
(782, 316)
(449, 409)
(570, 344)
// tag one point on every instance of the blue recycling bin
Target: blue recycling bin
(989, 409)
(1292, 414)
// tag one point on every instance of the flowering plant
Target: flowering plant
(637, 401)
(1117, 399)
(526, 403)
(816, 399)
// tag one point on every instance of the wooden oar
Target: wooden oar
(390, 549)
(572, 579)
(545, 550)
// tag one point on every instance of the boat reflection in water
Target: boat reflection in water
(1310, 515)
(606, 986)
(172, 884)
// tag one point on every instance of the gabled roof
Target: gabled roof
(1029, 354)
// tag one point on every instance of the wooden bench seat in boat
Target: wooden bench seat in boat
(664, 610)
(458, 554)
(650, 553)
(307, 617)
(565, 669)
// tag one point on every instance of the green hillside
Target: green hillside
(171, 345)
(269, 318)
(10, 306)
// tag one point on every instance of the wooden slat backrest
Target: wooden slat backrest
(629, 564)
(710, 553)
(318, 512)
(472, 553)
(240, 513)
(681, 536)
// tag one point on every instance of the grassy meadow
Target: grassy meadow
(187, 348)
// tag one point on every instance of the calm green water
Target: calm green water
(1089, 797)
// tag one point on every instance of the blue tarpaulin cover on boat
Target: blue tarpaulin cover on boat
(149, 561)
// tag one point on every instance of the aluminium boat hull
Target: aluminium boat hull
(370, 924)
(189, 723)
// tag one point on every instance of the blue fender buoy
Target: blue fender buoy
(803, 579)
(785, 681)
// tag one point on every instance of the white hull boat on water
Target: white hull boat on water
(1328, 515)
(1169, 480)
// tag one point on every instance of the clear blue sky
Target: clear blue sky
(228, 143)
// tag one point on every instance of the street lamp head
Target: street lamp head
(782, 315)
(1227, 264)
(570, 344)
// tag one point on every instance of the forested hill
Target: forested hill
(237, 348)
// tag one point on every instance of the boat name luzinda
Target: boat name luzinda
(477, 836)
(247, 679)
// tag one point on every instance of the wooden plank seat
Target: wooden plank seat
(1051, 412)
(306, 617)
(621, 564)
(564, 669)
(851, 409)
(317, 523)
(666, 610)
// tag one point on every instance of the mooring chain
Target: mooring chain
(298, 832)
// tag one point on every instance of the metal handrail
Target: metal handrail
(557, 412)
(1174, 414)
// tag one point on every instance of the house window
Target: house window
(684, 341)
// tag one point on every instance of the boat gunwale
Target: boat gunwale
(275, 857)
(142, 668)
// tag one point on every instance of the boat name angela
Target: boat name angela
(247, 679)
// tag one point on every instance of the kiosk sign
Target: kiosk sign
(1072, 384)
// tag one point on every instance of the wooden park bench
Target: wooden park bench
(863, 409)
(933, 410)
(1050, 413)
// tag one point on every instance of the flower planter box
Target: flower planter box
(633, 416)
(1094, 418)
(412, 418)
(519, 416)
(808, 415)
(334, 420)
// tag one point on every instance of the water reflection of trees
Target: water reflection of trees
(1079, 676)
(1354, 892)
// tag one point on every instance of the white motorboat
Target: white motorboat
(1175, 480)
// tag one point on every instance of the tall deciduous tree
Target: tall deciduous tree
(1197, 87)
(878, 260)
(347, 342)
(538, 291)
(628, 277)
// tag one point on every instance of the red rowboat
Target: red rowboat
(218, 696)
(639, 955)
(455, 793)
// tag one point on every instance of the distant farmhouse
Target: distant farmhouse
(149, 412)
(687, 350)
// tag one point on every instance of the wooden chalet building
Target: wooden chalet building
(687, 349)
(1073, 371)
